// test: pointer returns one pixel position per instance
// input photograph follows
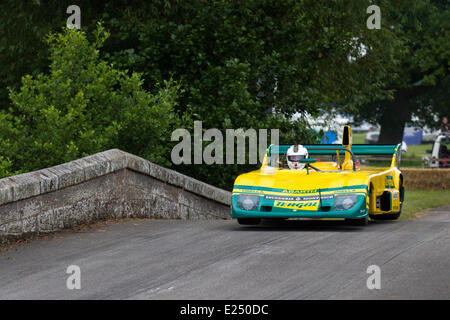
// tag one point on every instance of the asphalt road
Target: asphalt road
(155, 259)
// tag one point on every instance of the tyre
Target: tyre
(401, 189)
(386, 216)
(249, 221)
(358, 222)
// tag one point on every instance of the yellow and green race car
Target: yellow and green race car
(332, 184)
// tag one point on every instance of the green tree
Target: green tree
(23, 25)
(82, 106)
(240, 59)
(421, 78)
(254, 63)
(239, 64)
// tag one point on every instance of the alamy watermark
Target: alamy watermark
(374, 20)
(374, 280)
(73, 282)
(74, 20)
(213, 153)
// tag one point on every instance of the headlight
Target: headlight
(345, 202)
(248, 202)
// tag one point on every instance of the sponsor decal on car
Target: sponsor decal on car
(361, 190)
(299, 191)
(305, 205)
(269, 197)
(389, 182)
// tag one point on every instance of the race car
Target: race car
(321, 181)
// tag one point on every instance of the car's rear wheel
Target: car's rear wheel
(385, 216)
(401, 189)
(249, 221)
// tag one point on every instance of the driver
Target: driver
(294, 154)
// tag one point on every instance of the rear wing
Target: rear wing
(340, 150)
(330, 149)
(347, 150)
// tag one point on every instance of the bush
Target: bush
(83, 106)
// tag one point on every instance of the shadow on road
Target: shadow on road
(308, 225)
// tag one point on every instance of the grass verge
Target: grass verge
(417, 201)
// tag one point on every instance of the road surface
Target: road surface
(302, 259)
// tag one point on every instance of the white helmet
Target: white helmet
(294, 154)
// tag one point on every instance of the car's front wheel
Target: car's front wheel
(249, 221)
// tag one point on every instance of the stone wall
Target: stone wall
(110, 184)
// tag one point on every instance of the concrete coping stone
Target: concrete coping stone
(35, 183)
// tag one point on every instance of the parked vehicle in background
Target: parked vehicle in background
(412, 136)
(372, 137)
(429, 135)
(440, 155)
(365, 127)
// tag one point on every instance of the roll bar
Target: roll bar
(337, 148)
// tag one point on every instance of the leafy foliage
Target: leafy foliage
(234, 64)
(83, 106)
(420, 88)
(252, 64)
(238, 60)
(23, 26)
